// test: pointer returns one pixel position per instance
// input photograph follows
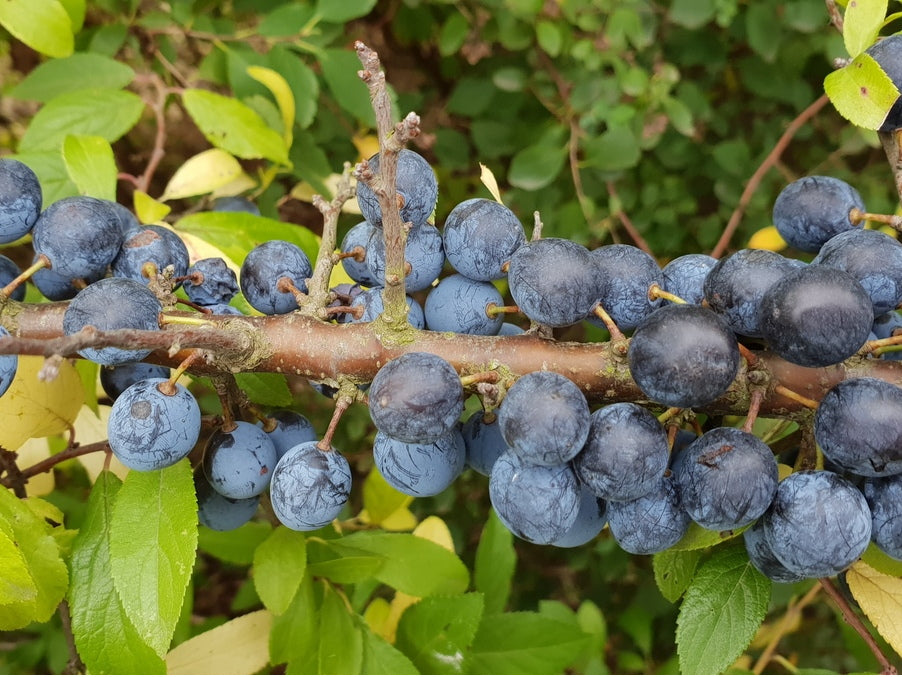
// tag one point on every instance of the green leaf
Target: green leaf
(862, 21)
(83, 70)
(692, 14)
(231, 125)
(674, 570)
(436, 632)
(697, 538)
(764, 34)
(496, 559)
(340, 638)
(339, 68)
(722, 610)
(453, 34)
(91, 165)
(236, 546)
(381, 658)
(270, 390)
(107, 113)
(153, 538)
(536, 166)
(279, 565)
(294, 634)
(862, 92)
(549, 37)
(17, 587)
(614, 150)
(43, 25)
(107, 642)
(523, 643)
(412, 564)
(341, 12)
(380, 499)
(347, 568)
(236, 233)
(52, 174)
(34, 539)
(879, 560)
(301, 79)
(76, 10)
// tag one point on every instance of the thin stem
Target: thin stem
(852, 619)
(856, 216)
(74, 666)
(655, 292)
(754, 408)
(835, 15)
(669, 414)
(341, 406)
(771, 160)
(626, 222)
(787, 623)
(65, 455)
(796, 397)
(493, 309)
(42, 262)
(750, 358)
(613, 329)
(158, 106)
(890, 142)
(480, 377)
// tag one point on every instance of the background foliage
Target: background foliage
(604, 115)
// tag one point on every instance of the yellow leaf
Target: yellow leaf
(880, 597)
(34, 408)
(91, 428)
(281, 90)
(377, 615)
(304, 192)
(399, 604)
(784, 470)
(489, 181)
(198, 248)
(882, 562)
(366, 144)
(238, 647)
(400, 520)
(147, 209)
(202, 173)
(434, 529)
(768, 238)
(237, 186)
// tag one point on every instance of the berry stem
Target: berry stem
(341, 406)
(494, 309)
(613, 329)
(480, 377)
(42, 262)
(856, 216)
(754, 407)
(184, 320)
(168, 388)
(669, 414)
(796, 397)
(655, 292)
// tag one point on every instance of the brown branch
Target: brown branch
(627, 223)
(770, 161)
(158, 106)
(890, 141)
(852, 619)
(789, 620)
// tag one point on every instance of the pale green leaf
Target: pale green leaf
(17, 587)
(83, 70)
(236, 233)
(106, 640)
(51, 172)
(153, 537)
(496, 559)
(34, 538)
(698, 538)
(91, 165)
(882, 562)
(861, 24)
(436, 632)
(202, 173)
(236, 546)
(107, 113)
(523, 643)
(279, 565)
(340, 638)
(237, 647)
(413, 565)
(43, 25)
(381, 658)
(380, 499)
(294, 635)
(674, 570)
(270, 390)
(862, 92)
(231, 125)
(339, 68)
(536, 166)
(76, 10)
(721, 611)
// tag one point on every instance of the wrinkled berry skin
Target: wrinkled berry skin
(149, 430)
(683, 356)
(211, 282)
(727, 479)
(423, 253)
(811, 210)
(537, 503)
(155, 245)
(871, 257)
(816, 316)
(234, 203)
(544, 418)
(685, 276)
(291, 429)
(9, 271)
(859, 427)
(735, 286)
(20, 199)
(373, 306)
(625, 454)
(458, 304)
(80, 235)
(651, 523)
(884, 497)
(763, 558)
(483, 441)
(219, 513)
(590, 520)
(416, 398)
(108, 304)
(310, 487)
(629, 272)
(359, 236)
(262, 269)
(239, 463)
(818, 524)
(416, 184)
(480, 236)
(554, 281)
(114, 380)
(420, 469)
